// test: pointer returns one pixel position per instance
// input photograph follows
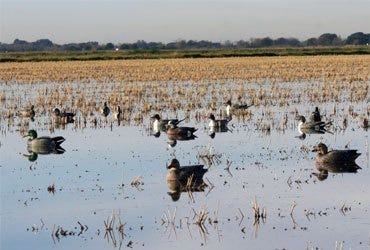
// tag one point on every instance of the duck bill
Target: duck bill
(23, 136)
(315, 149)
(26, 155)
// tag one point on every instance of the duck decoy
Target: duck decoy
(44, 144)
(185, 178)
(29, 112)
(230, 107)
(315, 116)
(342, 158)
(117, 115)
(180, 133)
(217, 125)
(310, 125)
(63, 117)
(335, 161)
(163, 124)
(105, 110)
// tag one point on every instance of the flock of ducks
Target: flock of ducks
(190, 178)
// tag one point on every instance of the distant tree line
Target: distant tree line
(327, 39)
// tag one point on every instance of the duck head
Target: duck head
(321, 148)
(172, 143)
(156, 117)
(31, 133)
(31, 157)
(56, 112)
(301, 118)
(174, 164)
(322, 175)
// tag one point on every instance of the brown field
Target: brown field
(323, 68)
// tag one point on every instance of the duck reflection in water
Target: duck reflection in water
(42, 145)
(184, 179)
(335, 161)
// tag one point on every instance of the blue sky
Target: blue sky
(116, 21)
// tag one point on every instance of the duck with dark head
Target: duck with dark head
(334, 161)
(43, 145)
(184, 179)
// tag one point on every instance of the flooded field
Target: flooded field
(106, 186)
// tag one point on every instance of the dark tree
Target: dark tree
(358, 38)
(328, 39)
(109, 46)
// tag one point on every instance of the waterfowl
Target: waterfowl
(230, 107)
(44, 144)
(213, 123)
(180, 133)
(117, 115)
(341, 159)
(163, 124)
(315, 116)
(186, 174)
(63, 117)
(317, 126)
(105, 110)
(30, 112)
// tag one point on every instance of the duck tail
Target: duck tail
(59, 150)
(180, 121)
(58, 140)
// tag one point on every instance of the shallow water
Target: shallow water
(93, 180)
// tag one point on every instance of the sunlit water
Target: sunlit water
(93, 180)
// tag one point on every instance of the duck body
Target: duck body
(63, 117)
(311, 125)
(117, 115)
(182, 174)
(335, 157)
(221, 123)
(44, 144)
(181, 133)
(230, 107)
(163, 124)
(30, 112)
(105, 110)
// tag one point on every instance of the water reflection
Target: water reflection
(42, 145)
(324, 168)
(184, 179)
(304, 131)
